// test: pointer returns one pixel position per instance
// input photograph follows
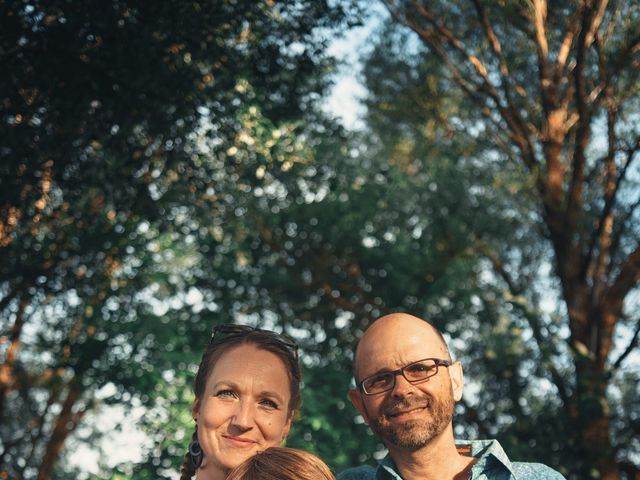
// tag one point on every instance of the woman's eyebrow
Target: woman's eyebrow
(225, 383)
(272, 394)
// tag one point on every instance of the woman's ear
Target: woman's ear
(195, 409)
(287, 427)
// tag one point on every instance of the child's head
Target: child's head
(279, 463)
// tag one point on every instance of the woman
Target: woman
(278, 463)
(247, 391)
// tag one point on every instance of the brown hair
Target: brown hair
(263, 340)
(279, 463)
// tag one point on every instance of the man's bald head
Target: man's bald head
(389, 334)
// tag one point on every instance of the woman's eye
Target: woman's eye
(225, 394)
(270, 404)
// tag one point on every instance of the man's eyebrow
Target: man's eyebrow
(380, 371)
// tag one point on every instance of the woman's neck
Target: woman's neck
(211, 474)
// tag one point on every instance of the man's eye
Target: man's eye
(379, 380)
(419, 367)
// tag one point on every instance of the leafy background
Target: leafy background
(168, 166)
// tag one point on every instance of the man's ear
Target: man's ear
(457, 380)
(356, 398)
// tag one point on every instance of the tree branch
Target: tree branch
(434, 38)
(7, 377)
(9, 297)
(474, 417)
(632, 345)
(539, 24)
(610, 202)
(627, 278)
(515, 299)
(66, 422)
(574, 204)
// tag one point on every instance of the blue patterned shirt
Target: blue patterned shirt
(492, 464)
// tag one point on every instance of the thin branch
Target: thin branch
(38, 430)
(543, 345)
(496, 46)
(612, 182)
(595, 20)
(583, 133)
(632, 345)
(531, 317)
(622, 227)
(474, 417)
(9, 297)
(610, 203)
(627, 278)
(498, 266)
(565, 47)
(434, 39)
(539, 22)
(7, 374)
(65, 424)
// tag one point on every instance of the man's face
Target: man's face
(411, 422)
(409, 416)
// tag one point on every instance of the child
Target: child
(279, 463)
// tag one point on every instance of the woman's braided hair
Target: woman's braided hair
(282, 347)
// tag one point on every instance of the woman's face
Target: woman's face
(244, 409)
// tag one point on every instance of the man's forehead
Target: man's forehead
(396, 343)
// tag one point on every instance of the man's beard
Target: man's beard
(416, 433)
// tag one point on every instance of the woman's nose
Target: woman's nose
(243, 418)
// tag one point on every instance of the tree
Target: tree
(101, 109)
(555, 88)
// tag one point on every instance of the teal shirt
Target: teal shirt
(492, 464)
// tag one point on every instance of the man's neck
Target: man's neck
(439, 460)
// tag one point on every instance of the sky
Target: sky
(344, 100)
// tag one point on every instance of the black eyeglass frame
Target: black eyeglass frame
(232, 330)
(438, 362)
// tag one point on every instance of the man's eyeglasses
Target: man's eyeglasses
(415, 372)
(227, 330)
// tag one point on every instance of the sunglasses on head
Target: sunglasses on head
(228, 330)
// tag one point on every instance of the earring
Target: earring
(195, 453)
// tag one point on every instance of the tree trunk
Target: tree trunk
(65, 424)
(593, 422)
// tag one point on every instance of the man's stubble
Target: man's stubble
(414, 434)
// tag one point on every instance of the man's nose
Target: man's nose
(402, 386)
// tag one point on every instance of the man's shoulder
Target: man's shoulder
(535, 471)
(364, 472)
(492, 458)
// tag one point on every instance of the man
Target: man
(406, 388)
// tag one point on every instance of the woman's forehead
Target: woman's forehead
(250, 364)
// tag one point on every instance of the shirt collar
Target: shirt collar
(488, 452)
